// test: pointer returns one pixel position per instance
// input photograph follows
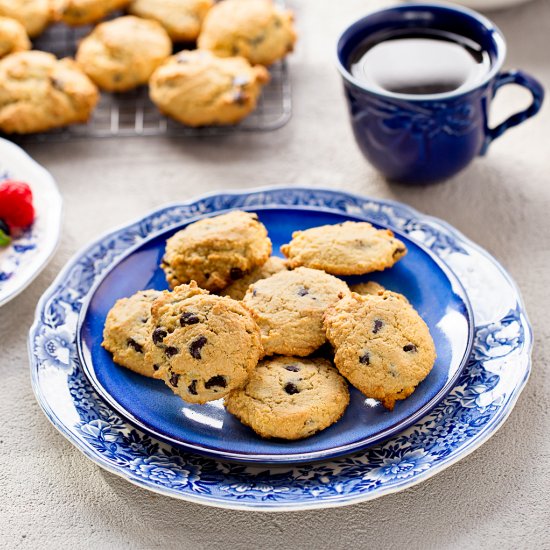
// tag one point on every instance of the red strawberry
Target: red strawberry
(16, 207)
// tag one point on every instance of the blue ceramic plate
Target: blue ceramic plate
(151, 405)
(476, 407)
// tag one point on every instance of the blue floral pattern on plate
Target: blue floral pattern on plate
(477, 406)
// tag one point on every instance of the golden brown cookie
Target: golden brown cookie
(34, 15)
(237, 289)
(128, 330)
(83, 12)
(197, 88)
(182, 19)
(255, 29)
(13, 37)
(216, 251)
(289, 308)
(202, 346)
(383, 347)
(349, 248)
(39, 92)
(123, 53)
(290, 397)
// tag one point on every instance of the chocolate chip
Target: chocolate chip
(291, 388)
(236, 273)
(292, 368)
(365, 358)
(156, 367)
(192, 388)
(170, 351)
(254, 292)
(257, 40)
(240, 97)
(188, 318)
(174, 379)
(196, 345)
(398, 251)
(216, 381)
(302, 291)
(133, 344)
(409, 347)
(378, 324)
(57, 84)
(159, 334)
(144, 319)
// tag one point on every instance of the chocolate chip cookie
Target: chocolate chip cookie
(289, 308)
(383, 347)
(39, 92)
(34, 15)
(290, 397)
(349, 248)
(127, 331)
(123, 53)
(216, 251)
(83, 12)
(13, 37)
(255, 29)
(182, 19)
(202, 346)
(237, 289)
(198, 88)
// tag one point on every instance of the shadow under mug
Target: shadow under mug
(426, 138)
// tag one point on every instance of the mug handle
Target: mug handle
(521, 79)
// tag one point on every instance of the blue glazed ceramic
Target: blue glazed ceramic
(475, 408)
(426, 138)
(430, 286)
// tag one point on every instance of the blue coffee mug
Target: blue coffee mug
(426, 138)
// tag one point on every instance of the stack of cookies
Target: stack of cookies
(253, 328)
(217, 84)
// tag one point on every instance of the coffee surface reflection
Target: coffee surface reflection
(419, 62)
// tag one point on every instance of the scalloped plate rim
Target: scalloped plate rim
(329, 502)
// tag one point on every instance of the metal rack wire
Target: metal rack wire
(133, 113)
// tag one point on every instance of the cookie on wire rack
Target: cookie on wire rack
(39, 92)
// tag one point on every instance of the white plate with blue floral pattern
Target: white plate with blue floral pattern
(29, 252)
(468, 415)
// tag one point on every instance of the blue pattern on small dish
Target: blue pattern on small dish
(31, 249)
(430, 286)
(476, 407)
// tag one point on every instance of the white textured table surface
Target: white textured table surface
(498, 497)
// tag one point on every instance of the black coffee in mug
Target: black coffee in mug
(419, 62)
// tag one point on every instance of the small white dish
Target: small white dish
(28, 253)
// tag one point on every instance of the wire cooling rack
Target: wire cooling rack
(133, 113)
